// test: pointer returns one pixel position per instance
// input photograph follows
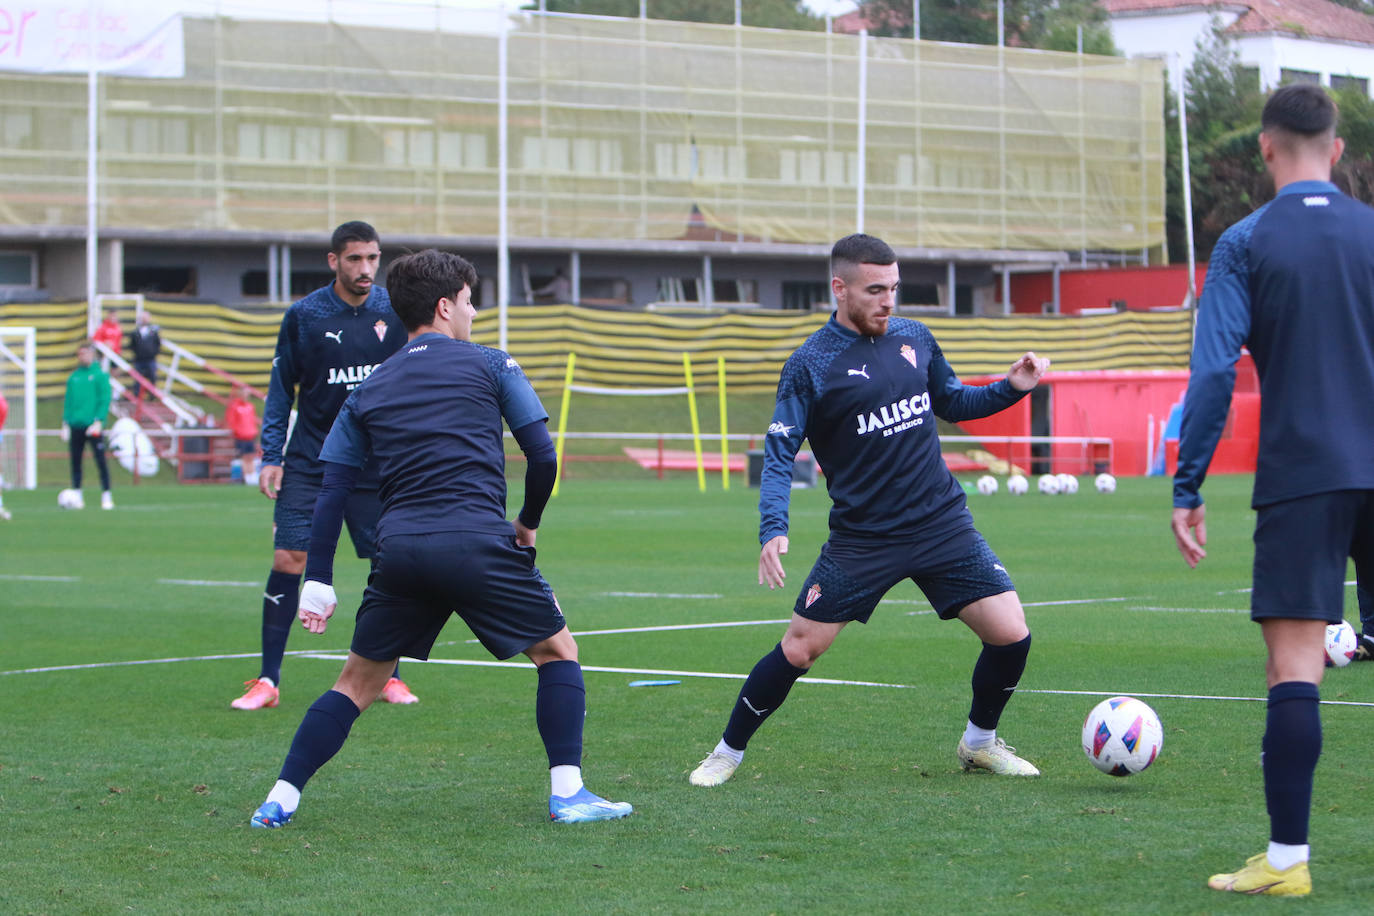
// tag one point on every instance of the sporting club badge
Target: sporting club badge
(813, 594)
(909, 354)
(380, 328)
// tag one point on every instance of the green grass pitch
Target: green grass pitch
(126, 781)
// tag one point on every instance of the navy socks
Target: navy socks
(279, 603)
(320, 735)
(560, 707)
(995, 676)
(1292, 743)
(763, 692)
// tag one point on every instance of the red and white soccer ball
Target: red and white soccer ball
(1122, 736)
(1340, 644)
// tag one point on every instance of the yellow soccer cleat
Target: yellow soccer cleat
(1259, 877)
(996, 758)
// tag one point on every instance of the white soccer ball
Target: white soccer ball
(70, 499)
(1048, 484)
(987, 485)
(1017, 485)
(1122, 736)
(1105, 483)
(1340, 644)
(1067, 483)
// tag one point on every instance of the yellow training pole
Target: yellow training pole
(696, 426)
(724, 427)
(563, 418)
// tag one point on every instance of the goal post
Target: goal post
(688, 388)
(18, 382)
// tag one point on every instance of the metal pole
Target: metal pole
(916, 19)
(1191, 299)
(503, 183)
(92, 178)
(863, 129)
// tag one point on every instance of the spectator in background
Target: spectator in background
(242, 420)
(109, 333)
(145, 342)
(558, 290)
(83, 417)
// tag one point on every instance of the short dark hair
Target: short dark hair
(860, 249)
(352, 231)
(416, 283)
(1302, 109)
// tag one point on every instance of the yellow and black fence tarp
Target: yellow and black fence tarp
(632, 349)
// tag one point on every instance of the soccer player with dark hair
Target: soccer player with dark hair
(1293, 282)
(329, 342)
(865, 390)
(431, 419)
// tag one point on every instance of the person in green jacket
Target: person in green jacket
(83, 416)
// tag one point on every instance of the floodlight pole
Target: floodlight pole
(92, 176)
(503, 181)
(1190, 302)
(863, 130)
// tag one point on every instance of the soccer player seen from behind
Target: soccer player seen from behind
(431, 419)
(865, 390)
(1293, 282)
(329, 342)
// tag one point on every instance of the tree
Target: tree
(1046, 24)
(771, 14)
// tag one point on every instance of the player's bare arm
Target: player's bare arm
(1025, 373)
(771, 572)
(269, 480)
(1184, 523)
(523, 536)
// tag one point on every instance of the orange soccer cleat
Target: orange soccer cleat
(261, 692)
(396, 691)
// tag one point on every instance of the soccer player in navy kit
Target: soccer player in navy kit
(865, 390)
(431, 418)
(329, 342)
(1293, 282)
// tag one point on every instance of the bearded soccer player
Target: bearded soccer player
(865, 390)
(1293, 282)
(431, 417)
(329, 342)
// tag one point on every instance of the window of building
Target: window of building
(173, 281)
(254, 282)
(18, 270)
(918, 294)
(735, 290)
(16, 129)
(805, 295)
(1287, 76)
(1350, 82)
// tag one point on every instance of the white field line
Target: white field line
(1189, 610)
(19, 578)
(210, 582)
(671, 672)
(658, 595)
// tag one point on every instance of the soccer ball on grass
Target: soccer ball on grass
(1067, 483)
(1048, 484)
(1105, 483)
(70, 499)
(1122, 736)
(1340, 644)
(1017, 485)
(987, 485)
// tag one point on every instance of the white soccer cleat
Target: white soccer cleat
(4, 514)
(714, 770)
(995, 758)
(106, 500)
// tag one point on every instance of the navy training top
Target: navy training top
(868, 407)
(325, 348)
(1293, 282)
(431, 418)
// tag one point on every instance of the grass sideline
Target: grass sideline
(128, 786)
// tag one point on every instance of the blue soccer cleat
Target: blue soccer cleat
(584, 806)
(270, 816)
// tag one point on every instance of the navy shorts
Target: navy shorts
(1301, 549)
(850, 578)
(295, 508)
(488, 580)
(245, 446)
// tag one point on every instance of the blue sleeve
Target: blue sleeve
(327, 521)
(520, 406)
(780, 447)
(1223, 324)
(954, 401)
(347, 442)
(281, 394)
(541, 470)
